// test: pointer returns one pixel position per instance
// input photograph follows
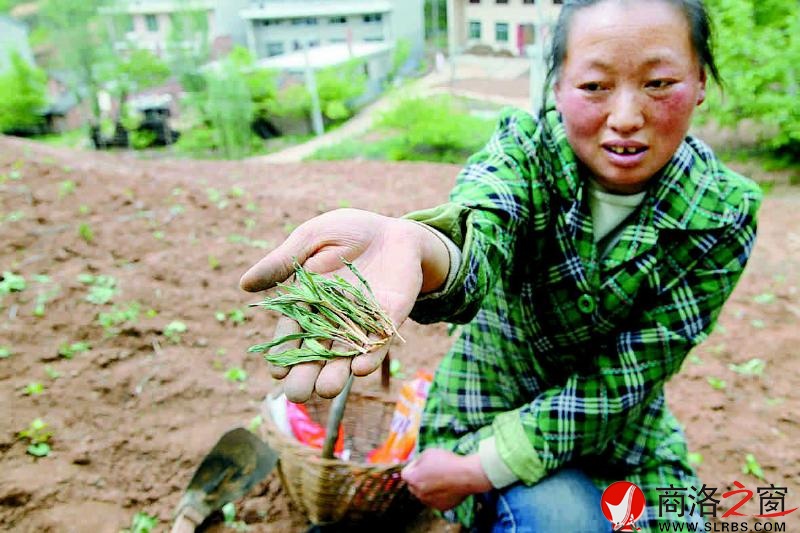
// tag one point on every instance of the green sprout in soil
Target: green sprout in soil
(753, 367)
(85, 232)
(102, 289)
(174, 330)
(716, 383)
(34, 388)
(68, 351)
(327, 309)
(695, 458)
(46, 293)
(11, 282)
(236, 316)
(51, 372)
(142, 523)
(65, 188)
(236, 374)
(37, 436)
(5, 352)
(752, 467)
(84, 210)
(118, 316)
(255, 423)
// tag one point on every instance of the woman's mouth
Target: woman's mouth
(625, 155)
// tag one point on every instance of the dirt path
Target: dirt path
(132, 416)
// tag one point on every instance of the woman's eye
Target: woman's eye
(591, 87)
(659, 84)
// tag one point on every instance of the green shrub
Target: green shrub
(757, 50)
(22, 95)
(434, 129)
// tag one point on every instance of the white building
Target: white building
(510, 26)
(276, 27)
(150, 24)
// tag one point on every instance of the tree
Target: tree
(757, 50)
(339, 86)
(77, 40)
(137, 70)
(22, 95)
(230, 111)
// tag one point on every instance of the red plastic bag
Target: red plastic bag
(307, 431)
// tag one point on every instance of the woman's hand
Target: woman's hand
(442, 479)
(399, 258)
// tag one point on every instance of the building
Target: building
(157, 25)
(275, 27)
(13, 38)
(499, 26)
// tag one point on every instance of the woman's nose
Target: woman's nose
(626, 114)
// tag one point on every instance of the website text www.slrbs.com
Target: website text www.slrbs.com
(724, 527)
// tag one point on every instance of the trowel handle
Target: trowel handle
(183, 525)
(334, 419)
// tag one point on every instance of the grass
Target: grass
(327, 309)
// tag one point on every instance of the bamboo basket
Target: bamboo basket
(353, 491)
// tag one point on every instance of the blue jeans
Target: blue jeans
(566, 501)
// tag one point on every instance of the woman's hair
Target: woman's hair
(694, 10)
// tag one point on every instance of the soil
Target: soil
(133, 416)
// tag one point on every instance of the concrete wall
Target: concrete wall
(408, 23)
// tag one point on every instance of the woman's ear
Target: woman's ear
(557, 94)
(701, 93)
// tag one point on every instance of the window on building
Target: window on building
(305, 21)
(501, 32)
(373, 39)
(274, 49)
(152, 22)
(501, 1)
(313, 43)
(373, 17)
(269, 22)
(528, 1)
(474, 29)
(337, 20)
(474, 1)
(558, 1)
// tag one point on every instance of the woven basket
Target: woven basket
(352, 491)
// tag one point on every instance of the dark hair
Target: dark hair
(694, 10)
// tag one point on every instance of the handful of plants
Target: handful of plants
(327, 309)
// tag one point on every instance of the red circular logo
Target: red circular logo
(623, 504)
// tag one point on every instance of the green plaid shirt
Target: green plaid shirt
(564, 354)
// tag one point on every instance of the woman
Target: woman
(587, 251)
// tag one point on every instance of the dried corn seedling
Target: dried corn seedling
(327, 309)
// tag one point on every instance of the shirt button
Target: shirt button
(586, 303)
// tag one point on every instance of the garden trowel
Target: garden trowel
(234, 465)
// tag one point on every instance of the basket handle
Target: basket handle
(335, 418)
(337, 408)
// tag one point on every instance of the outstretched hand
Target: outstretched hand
(397, 257)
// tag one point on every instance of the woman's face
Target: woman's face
(627, 89)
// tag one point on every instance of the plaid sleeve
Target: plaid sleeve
(589, 411)
(488, 207)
